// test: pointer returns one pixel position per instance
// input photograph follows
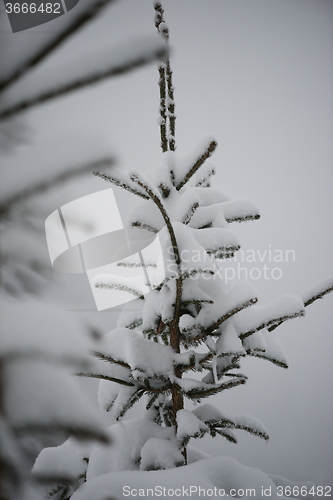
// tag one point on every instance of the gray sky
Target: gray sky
(257, 75)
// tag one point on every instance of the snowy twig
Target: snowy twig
(228, 314)
(162, 79)
(208, 152)
(318, 292)
(142, 225)
(243, 219)
(311, 296)
(204, 392)
(8, 204)
(120, 179)
(167, 103)
(120, 287)
(158, 202)
(163, 116)
(262, 355)
(272, 323)
(92, 9)
(190, 213)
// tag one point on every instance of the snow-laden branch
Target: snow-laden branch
(202, 390)
(92, 68)
(104, 283)
(315, 293)
(160, 205)
(200, 161)
(215, 419)
(318, 291)
(280, 310)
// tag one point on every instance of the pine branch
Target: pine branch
(104, 377)
(320, 291)
(136, 396)
(243, 219)
(190, 213)
(120, 179)
(167, 103)
(115, 69)
(142, 225)
(230, 424)
(8, 204)
(208, 152)
(272, 323)
(214, 389)
(311, 296)
(135, 265)
(162, 80)
(163, 115)
(160, 205)
(226, 433)
(204, 181)
(120, 288)
(171, 108)
(110, 359)
(209, 330)
(262, 355)
(91, 11)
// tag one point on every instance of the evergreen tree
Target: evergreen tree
(192, 321)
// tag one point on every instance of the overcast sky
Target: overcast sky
(257, 75)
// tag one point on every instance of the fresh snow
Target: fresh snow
(258, 317)
(143, 356)
(189, 425)
(159, 453)
(209, 473)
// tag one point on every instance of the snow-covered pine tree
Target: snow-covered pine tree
(192, 321)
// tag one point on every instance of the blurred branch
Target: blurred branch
(128, 63)
(8, 204)
(93, 8)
